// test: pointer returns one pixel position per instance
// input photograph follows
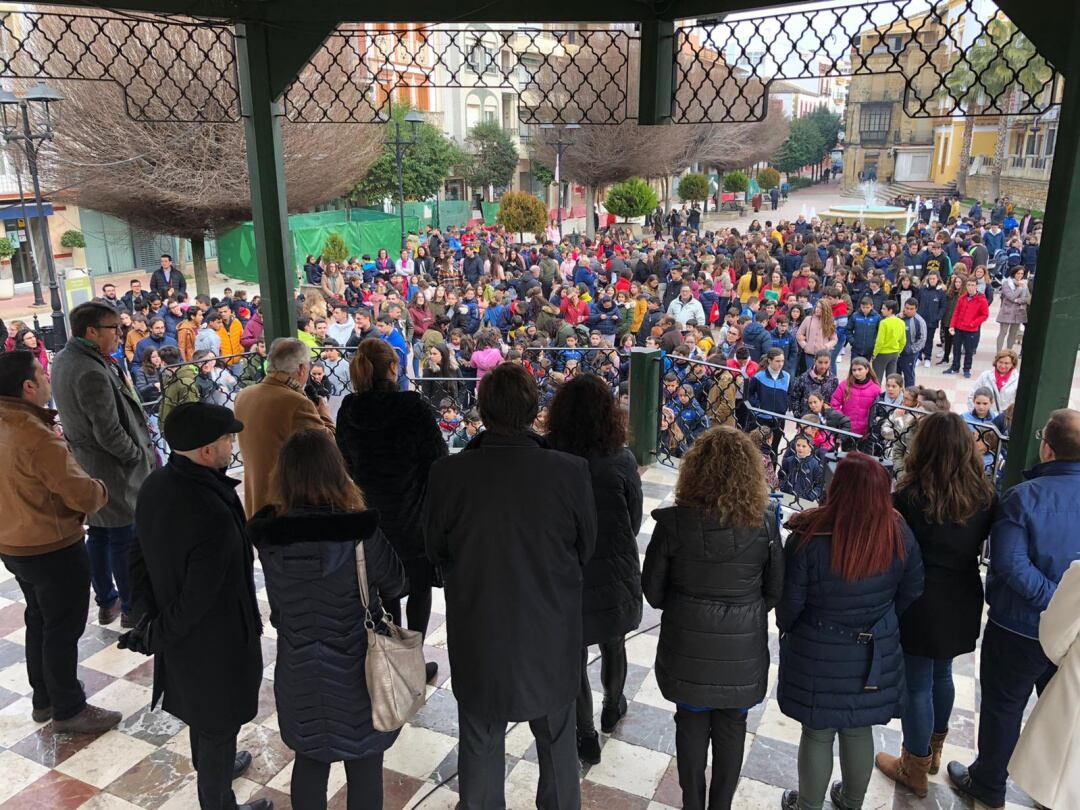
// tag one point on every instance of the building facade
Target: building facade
(881, 141)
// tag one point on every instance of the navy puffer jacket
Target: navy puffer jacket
(829, 677)
(308, 557)
(716, 584)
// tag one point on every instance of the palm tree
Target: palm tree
(1001, 68)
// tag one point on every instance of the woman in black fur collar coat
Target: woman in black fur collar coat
(307, 544)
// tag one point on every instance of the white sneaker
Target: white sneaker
(926, 364)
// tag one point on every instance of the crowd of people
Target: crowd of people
(516, 356)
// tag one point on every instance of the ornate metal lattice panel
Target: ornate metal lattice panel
(953, 57)
(167, 71)
(560, 76)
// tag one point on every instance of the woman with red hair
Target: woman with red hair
(852, 567)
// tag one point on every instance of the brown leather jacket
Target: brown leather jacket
(44, 494)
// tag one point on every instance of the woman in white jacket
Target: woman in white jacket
(1046, 762)
(1002, 380)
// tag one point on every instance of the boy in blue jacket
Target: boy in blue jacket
(784, 340)
(768, 390)
(801, 473)
(863, 329)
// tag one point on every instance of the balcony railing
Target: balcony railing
(874, 137)
(1023, 167)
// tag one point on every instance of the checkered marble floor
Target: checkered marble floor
(145, 763)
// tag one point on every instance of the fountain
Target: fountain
(869, 211)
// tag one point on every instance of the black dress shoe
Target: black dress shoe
(431, 669)
(256, 804)
(241, 763)
(790, 800)
(107, 614)
(961, 780)
(588, 747)
(611, 715)
(836, 793)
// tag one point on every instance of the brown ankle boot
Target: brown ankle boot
(937, 742)
(906, 769)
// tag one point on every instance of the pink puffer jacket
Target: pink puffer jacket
(856, 407)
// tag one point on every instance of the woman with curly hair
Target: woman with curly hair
(585, 420)
(715, 567)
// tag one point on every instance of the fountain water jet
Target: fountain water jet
(869, 211)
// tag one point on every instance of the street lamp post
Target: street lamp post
(42, 97)
(559, 145)
(413, 118)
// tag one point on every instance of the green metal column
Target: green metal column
(266, 169)
(644, 404)
(1053, 328)
(657, 70)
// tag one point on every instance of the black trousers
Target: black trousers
(56, 587)
(966, 342)
(213, 753)
(420, 573)
(482, 761)
(612, 676)
(363, 777)
(1010, 667)
(725, 729)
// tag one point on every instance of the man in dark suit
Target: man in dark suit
(195, 588)
(505, 569)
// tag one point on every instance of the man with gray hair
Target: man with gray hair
(273, 411)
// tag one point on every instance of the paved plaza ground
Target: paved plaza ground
(145, 763)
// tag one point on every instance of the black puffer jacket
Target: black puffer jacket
(611, 600)
(716, 585)
(308, 557)
(389, 439)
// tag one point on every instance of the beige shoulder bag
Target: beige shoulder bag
(395, 663)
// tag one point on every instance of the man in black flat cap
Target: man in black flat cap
(195, 589)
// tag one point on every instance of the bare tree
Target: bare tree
(188, 179)
(607, 153)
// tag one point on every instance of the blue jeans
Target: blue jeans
(927, 703)
(841, 339)
(108, 550)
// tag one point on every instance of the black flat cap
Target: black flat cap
(196, 424)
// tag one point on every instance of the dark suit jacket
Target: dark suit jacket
(512, 523)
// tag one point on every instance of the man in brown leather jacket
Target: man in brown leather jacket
(44, 498)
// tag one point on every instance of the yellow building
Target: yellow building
(1028, 140)
(881, 141)
(1029, 153)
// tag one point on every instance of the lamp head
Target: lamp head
(48, 99)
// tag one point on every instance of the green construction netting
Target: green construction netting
(491, 211)
(369, 231)
(317, 218)
(454, 213)
(437, 214)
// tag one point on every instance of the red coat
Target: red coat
(574, 314)
(970, 312)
